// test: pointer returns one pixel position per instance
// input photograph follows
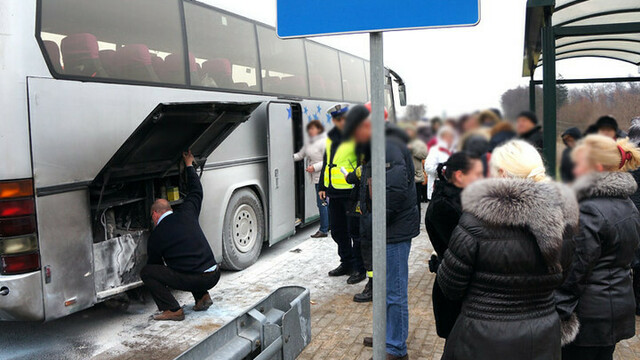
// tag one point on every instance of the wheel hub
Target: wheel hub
(245, 228)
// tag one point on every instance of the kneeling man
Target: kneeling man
(179, 254)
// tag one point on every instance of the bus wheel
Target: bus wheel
(244, 230)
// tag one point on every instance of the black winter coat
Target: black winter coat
(598, 286)
(534, 137)
(442, 217)
(178, 240)
(504, 262)
(403, 220)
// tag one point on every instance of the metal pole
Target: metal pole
(378, 156)
(532, 95)
(549, 88)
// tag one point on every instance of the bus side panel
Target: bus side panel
(64, 229)
(17, 49)
(219, 185)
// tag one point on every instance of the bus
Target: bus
(101, 97)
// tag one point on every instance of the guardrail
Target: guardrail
(276, 328)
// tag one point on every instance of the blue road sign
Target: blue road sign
(300, 18)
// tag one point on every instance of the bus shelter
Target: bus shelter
(564, 29)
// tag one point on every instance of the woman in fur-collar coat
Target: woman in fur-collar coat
(505, 260)
(598, 288)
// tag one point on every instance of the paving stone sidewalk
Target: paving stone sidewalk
(339, 324)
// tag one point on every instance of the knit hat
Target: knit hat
(529, 115)
(607, 122)
(355, 117)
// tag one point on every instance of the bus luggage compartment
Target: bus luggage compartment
(146, 167)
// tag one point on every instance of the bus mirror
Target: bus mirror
(402, 92)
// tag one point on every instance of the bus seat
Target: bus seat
(53, 52)
(135, 63)
(109, 61)
(220, 71)
(173, 69)
(157, 63)
(80, 55)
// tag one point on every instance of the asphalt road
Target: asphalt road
(105, 331)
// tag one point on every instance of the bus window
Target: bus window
(353, 78)
(117, 39)
(324, 71)
(224, 46)
(283, 68)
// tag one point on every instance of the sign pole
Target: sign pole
(378, 156)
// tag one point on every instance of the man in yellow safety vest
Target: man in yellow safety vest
(340, 159)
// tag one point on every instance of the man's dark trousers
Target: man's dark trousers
(160, 279)
(342, 229)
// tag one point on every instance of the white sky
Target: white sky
(453, 70)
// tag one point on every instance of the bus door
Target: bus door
(282, 180)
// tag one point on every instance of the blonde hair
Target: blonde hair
(518, 159)
(609, 153)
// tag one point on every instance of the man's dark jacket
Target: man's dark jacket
(534, 137)
(403, 220)
(178, 239)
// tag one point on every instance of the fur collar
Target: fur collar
(544, 208)
(605, 184)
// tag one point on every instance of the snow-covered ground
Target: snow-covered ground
(107, 333)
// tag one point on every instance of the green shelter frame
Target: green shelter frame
(567, 29)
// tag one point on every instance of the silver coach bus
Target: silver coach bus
(100, 97)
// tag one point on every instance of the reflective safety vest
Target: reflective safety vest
(345, 156)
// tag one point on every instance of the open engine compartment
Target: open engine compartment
(121, 225)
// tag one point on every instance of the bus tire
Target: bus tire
(244, 230)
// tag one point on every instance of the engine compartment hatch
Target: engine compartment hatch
(153, 150)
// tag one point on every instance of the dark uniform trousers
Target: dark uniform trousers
(345, 231)
(160, 279)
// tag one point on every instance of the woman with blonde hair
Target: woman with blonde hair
(598, 288)
(505, 260)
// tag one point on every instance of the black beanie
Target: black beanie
(529, 115)
(355, 117)
(607, 122)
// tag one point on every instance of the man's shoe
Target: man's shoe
(356, 277)
(367, 341)
(169, 315)
(203, 304)
(366, 295)
(319, 234)
(393, 357)
(339, 271)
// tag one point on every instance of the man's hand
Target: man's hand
(310, 169)
(188, 158)
(322, 194)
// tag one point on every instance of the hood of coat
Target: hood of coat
(617, 184)
(396, 132)
(544, 208)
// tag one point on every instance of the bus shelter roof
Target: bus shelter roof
(584, 28)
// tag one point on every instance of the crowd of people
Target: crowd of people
(527, 267)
